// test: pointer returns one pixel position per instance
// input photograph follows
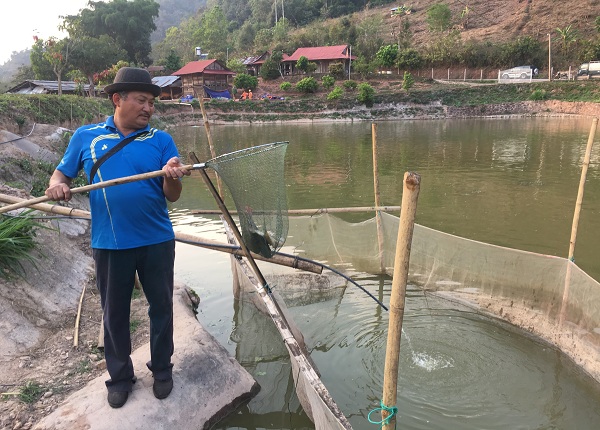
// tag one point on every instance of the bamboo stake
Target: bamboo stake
(410, 195)
(377, 199)
(77, 319)
(575, 225)
(97, 185)
(311, 211)
(213, 153)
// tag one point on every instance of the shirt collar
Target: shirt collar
(110, 123)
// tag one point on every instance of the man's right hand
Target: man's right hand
(59, 187)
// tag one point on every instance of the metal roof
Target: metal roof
(201, 66)
(165, 81)
(42, 87)
(338, 52)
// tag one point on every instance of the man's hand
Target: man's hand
(59, 188)
(173, 169)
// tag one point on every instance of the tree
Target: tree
(302, 64)
(439, 17)
(568, 36)
(173, 62)
(57, 52)
(270, 68)
(307, 85)
(409, 59)
(386, 55)
(94, 54)
(41, 67)
(129, 23)
(212, 33)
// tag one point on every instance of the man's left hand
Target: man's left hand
(174, 169)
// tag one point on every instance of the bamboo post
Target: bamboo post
(377, 199)
(213, 153)
(78, 318)
(410, 195)
(575, 225)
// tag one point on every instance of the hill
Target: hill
(501, 20)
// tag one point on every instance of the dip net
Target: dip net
(255, 179)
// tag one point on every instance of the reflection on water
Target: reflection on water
(508, 182)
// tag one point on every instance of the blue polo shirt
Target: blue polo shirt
(128, 215)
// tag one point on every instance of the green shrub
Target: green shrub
(408, 81)
(246, 81)
(366, 94)
(328, 81)
(285, 86)
(16, 242)
(335, 94)
(337, 70)
(350, 85)
(307, 85)
(538, 94)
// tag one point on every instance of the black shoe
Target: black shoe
(116, 399)
(162, 389)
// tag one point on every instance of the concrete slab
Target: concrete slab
(208, 385)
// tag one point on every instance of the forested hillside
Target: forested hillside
(420, 34)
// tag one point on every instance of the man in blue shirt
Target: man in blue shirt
(131, 229)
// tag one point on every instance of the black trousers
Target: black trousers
(115, 277)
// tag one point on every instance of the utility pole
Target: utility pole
(549, 57)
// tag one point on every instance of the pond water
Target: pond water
(511, 182)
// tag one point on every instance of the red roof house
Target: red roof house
(323, 56)
(196, 75)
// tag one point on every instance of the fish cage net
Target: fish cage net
(255, 179)
(548, 296)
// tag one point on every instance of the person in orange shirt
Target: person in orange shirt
(244, 95)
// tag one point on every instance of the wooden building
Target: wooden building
(323, 56)
(195, 75)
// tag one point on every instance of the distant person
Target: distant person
(244, 95)
(535, 71)
(249, 94)
(131, 229)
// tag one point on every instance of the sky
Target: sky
(22, 19)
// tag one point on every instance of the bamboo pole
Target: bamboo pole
(55, 209)
(78, 318)
(410, 195)
(377, 199)
(213, 153)
(277, 258)
(97, 185)
(310, 211)
(575, 225)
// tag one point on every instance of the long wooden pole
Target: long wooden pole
(575, 225)
(277, 258)
(410, 195)
(377, 198)
(98, 185)
(211, 147)
(311, 211)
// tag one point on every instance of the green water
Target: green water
(511, 182)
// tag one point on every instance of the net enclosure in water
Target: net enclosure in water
(255, 179)
(548, 296)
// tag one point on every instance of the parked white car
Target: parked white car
(520, 72)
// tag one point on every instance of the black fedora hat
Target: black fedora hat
(132, 79)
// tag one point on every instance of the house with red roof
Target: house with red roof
(323, 56)
(196, 75)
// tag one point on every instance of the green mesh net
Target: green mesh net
(255, 179)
